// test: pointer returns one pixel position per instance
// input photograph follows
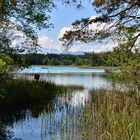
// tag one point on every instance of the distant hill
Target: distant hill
(75, 53)
(49, 51)
(55, 51)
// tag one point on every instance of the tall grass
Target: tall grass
(112, 115)
(18, 96)
(22, 93)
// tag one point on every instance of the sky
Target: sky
(62, 17)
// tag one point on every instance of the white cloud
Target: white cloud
(63, 30)
(54, 43)
(90, 47)
(49, 45)
(99, 26)
(43, 41)
(93, 47)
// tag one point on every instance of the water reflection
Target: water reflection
(89, 81)
(59, 123)
(79, 98)
(58, 119)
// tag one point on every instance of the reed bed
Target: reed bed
(112, 115)
(21, 93)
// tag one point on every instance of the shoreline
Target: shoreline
(87, 67)
(100, 67)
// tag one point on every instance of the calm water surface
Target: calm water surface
(58, 119)
(58, 69)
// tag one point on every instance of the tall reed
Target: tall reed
(22, 93)
(112, 115)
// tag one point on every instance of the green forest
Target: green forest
(89, 59)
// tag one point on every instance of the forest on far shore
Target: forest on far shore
(89, 59)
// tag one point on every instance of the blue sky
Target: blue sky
(62, 17)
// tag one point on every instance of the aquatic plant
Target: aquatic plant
(16, 94)
(112, 115)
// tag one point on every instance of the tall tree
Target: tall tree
(118, 20)
(19, 19)
(19, 22)
(121, 20)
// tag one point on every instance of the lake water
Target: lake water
(88, 78)
(58, 119)
(58, 69)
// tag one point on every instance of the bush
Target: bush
(6, 66)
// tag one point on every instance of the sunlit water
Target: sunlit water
(58, 69)
(59, 118)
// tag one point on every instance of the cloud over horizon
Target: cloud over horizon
(47, 43)
(55, 44)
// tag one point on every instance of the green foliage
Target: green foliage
(122, 20)
(130, 73)
(112, 115)
(19, 20)
(45, 61)
(6, 66)
(2, 66)
(93, 59)
(129, 67)
(26, 17)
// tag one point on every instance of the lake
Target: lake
(88, 78)
(59, 69)
(58, 119)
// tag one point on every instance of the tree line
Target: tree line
(89, 59)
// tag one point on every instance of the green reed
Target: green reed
(112, 115)
(22, 93)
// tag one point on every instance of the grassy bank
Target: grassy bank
(112, 115)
